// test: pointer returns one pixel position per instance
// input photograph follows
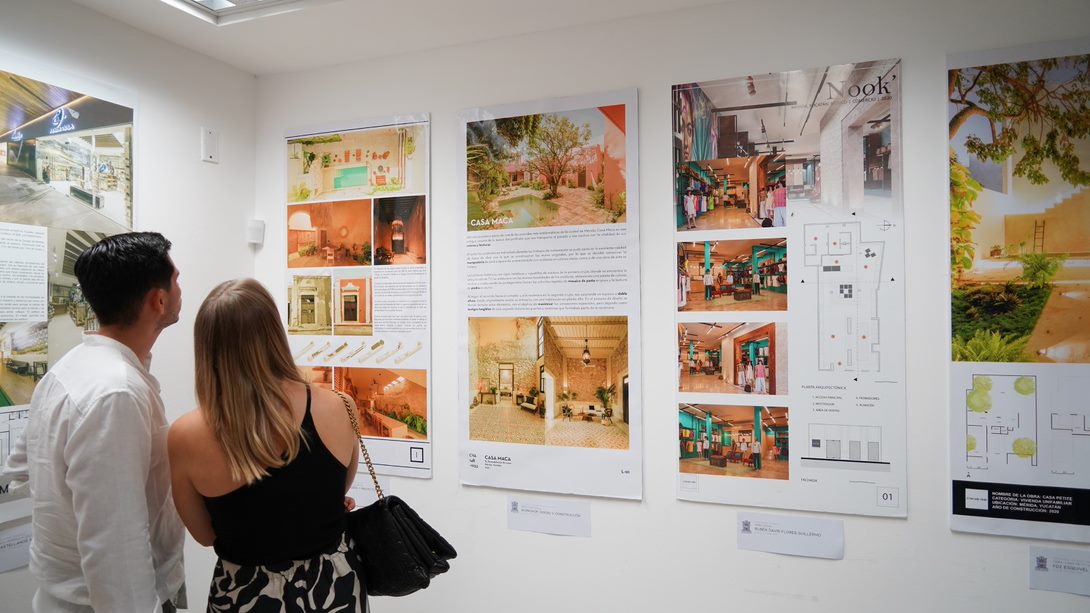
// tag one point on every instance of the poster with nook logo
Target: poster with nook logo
(358, 284)
(789, 247)
(1019, 147)
(549, 356)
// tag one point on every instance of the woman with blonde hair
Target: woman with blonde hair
(260, 469)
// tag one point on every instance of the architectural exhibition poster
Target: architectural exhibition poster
(65, 183)
(1019, 130)
(789, 245)
(358, 300)
(549, 356)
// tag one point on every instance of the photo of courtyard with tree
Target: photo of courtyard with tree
(549, 169)
(1020, 211)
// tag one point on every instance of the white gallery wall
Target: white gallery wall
(659, 554)
(202, 208)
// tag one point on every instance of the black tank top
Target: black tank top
(292, 514)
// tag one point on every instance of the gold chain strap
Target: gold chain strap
(363, 448)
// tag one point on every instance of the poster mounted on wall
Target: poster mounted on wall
(549, 377)
(65, 183)
(1020, 295)
(358, 284)
(788, 214)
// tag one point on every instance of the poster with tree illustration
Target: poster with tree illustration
(1019, 147)
(1020, 211)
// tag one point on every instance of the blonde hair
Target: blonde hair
(242, 360)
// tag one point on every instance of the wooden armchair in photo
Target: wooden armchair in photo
(607, 415)
(734, 456)
(748, 459)
(566, 412)
(330, 254)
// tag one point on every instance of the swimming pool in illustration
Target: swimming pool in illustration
(528, 211)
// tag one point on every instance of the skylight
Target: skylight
(226, 12)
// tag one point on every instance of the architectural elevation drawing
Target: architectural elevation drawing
(845, 446)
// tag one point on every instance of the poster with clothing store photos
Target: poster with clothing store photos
(789, 319)
(358, 286)
(1020, 291)
(66, 173)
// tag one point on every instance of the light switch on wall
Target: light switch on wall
(210, 145)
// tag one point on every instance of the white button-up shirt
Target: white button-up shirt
(105, 530)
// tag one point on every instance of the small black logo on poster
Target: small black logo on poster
(514, 506)
(1042, 563)
(745, 527)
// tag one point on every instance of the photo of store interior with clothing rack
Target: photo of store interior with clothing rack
(731, 193)
(732, 357)
(733, 441)
(732, 275)
(743, 143)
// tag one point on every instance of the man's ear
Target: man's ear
(157, 300)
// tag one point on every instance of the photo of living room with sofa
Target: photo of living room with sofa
(732, 275)
(559, 381)
(732, 358)
(733, 441)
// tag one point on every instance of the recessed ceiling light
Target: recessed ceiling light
(226, 12)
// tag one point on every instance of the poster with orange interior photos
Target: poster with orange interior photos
(358, 302)
(549, 379)
(788, 213)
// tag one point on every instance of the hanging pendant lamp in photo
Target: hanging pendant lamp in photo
(586, 353)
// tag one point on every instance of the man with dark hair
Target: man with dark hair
(106, 535)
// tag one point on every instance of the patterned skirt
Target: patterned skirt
(332, 581)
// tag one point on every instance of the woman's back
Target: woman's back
(294, 512)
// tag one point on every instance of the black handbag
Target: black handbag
(399, 551)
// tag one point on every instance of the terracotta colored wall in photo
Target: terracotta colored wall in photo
(416, 396)
(618, 364)
(415, 228)
(349, 223)
(614, 146)
(507, 341)
(554, 365)
(585, 379)
(474, 363)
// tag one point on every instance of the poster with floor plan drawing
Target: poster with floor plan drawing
(788, 211)
(1020, 291)
(357, 292)
(549, 362)
(66, 173)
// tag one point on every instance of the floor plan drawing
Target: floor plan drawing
(1001, 421)
(1069, 424)
(848, 273)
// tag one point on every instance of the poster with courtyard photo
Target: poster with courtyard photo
(549, 362)
(788, 209)
(1019, 136)
(358, 283)
(66, 171)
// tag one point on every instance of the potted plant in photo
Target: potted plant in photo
(995, 251)
(605, 395)
(565, 408)
(383, 256)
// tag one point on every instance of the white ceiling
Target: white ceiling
(345, 31)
